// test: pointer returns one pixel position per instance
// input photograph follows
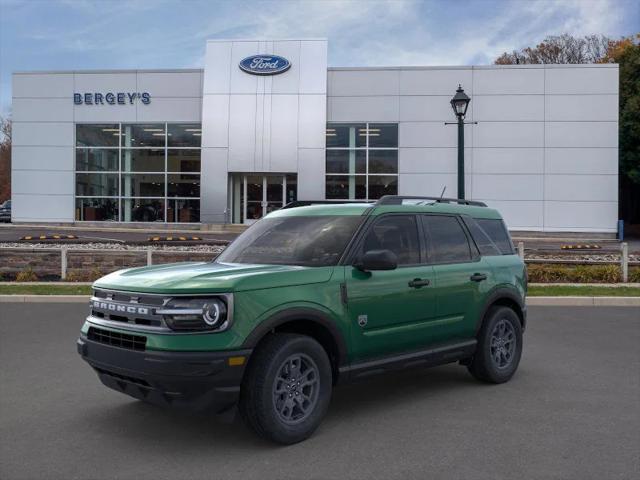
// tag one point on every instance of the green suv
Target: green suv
(310, 297)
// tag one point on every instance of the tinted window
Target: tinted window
(398, 234)
(482, 240)
(497, 231)
(307, 241)
(448, 242)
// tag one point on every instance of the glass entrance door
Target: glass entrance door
(255, 195)
(254, 187)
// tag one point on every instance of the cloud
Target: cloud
(85, 34)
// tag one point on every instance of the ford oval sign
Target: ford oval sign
(265, 64)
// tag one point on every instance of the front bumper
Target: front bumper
(194, 380)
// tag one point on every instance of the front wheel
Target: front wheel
(287, 388)
(499, 346)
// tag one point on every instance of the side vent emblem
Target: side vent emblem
(362, 320)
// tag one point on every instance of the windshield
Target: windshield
(314, 241)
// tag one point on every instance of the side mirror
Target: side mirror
(377, 260)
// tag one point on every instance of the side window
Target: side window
(497, 232)
(447, 240)
(486, 246)
(397, 233)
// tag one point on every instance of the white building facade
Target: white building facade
(268, 122)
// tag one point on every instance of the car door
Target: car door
(390, 310)
(462, 277)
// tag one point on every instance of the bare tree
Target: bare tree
(5, 159)
(563, 48)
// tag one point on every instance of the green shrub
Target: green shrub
(634, 274)
(27, 275)
(556, 273)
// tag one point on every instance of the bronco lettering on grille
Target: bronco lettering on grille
(115, 307)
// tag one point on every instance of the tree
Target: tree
(560, 49)
(600, 49)
(626, 53)
(5, 159)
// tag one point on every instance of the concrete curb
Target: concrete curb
(606, 285)
(531, 301)
(44, 299)
(584, 301)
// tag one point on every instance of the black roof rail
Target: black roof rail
(397, 200)
(306, 203)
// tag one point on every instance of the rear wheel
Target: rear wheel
(287, 388)
(499, 346)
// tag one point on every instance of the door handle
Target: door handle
(478, 277)
(418, 282)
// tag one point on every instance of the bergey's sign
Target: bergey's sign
(265, 64)
(110, 98)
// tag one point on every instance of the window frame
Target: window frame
(473, 249)
(121, 173)
(366, 148)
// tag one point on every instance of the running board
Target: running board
(431, 357)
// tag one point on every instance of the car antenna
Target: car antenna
(442, 194)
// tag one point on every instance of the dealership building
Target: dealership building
(268, 122)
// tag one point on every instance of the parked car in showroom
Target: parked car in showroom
(310, 297)
(5, 211)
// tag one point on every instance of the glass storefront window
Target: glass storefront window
(183, 186)
(96, 160)
(362, 152)
(183, 160)
(380, 185)
(143, 185)
(383, 161)
(346, 136)
(143, 210)
(383, 135)
(183, 211)
(143, 135)
(343, 187)
(346, 161)
(143, 160)
(184, 135)
(130, 164)
(96, 185)
(96, 209)
(103, 135)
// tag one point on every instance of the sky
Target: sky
(107, 34)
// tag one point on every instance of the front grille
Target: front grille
(128, 308)
(117, 339)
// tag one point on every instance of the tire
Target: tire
(499, 346)
(274, 406)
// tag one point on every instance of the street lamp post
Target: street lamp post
(460, 103)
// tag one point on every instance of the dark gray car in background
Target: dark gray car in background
(5, 211)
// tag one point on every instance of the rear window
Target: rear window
(497, 232)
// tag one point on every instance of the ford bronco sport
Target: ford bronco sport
(310, 297)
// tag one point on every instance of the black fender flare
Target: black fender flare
(499, 294)
(299, 313)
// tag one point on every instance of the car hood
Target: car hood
(211, 277)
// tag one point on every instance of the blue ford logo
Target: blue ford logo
(265, 64)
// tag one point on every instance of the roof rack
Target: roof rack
(397, 200)
(306, 203)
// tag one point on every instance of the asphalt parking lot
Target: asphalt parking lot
(572, 411)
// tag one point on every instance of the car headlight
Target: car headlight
(195, 314)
